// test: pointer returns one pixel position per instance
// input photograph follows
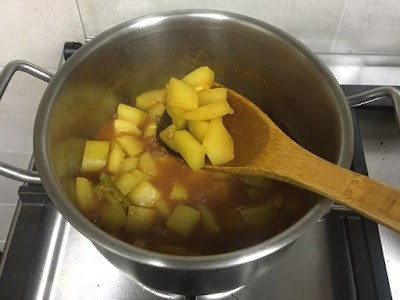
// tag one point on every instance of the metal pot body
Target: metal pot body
(259, 61)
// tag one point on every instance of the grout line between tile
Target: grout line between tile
(80, 17)
(340, 24)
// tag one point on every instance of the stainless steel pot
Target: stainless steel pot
(263, 63)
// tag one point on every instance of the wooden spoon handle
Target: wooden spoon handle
(369, 197)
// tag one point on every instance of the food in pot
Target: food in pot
(132, 189)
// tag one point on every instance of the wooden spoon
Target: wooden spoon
(263, 149)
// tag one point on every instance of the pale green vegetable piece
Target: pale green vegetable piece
(167, 136)
(218, 143)
(131, 114)
(144, 194)
(183, 220)
(198, 129)
(125, 182)
(179, 192)
(113, 217)
(84, 194)
(208, 220)
(201, 77)
(140, 219)
(148, 99)
(190, 149)
(162, 208)
(147, 164)
(212, 95)
(259, 216)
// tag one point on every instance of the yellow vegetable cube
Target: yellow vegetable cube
(208, 112)
(162, 208)
(140, 174)
(114, 144)
(212, 95)
(140, 219)
(150, 98)
(156, 110)
(95, 156)
(198, 129)
(179, 192)
(122, 127)
(190, 149)
(147, 164)
(218, 143)
(258, 217)
(176, 115)
(183, 220)
(167, 136)
(144, 194)
(181, 94)
(84, 194)
(131, 145)
(115, 159)
(208, 220)
(113, 217)
(201, 77)
(150, 129)
(128, 164)
(131, 114)
(126, 182)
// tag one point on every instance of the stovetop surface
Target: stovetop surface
(339, 258)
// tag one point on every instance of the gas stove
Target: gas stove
(344, 256)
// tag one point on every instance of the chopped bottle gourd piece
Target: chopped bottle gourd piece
(190, 149)
(167, 136)
(179, 192)
(140, 219)
(208, 112)
(162, 208)
(198, 129)
(257, 181)
(144, 194)
(131, 114)
(180, 94)
(150, 130)
(201, 77)
(230, 218)
(176, 115)
(110, 191)
(147, 164)
(84, 194)
(114, 144)
(140, 174)
(156, 110)
(115, 159)
(148, 99)
(126, 182)
(95, 156)
(130, 144)
(208, 220)
(113, 217)
(218, 143)
(258, 217)
(183, 220)
(128, 164)
(213, 95)
(122, 127)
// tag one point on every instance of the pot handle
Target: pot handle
(376, 94)
(5, 77)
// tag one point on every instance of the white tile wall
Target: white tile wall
(314, 22)
(369, 26)
(35, 30)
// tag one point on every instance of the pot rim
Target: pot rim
(224, 260)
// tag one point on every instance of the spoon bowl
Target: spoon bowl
(263, 149)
